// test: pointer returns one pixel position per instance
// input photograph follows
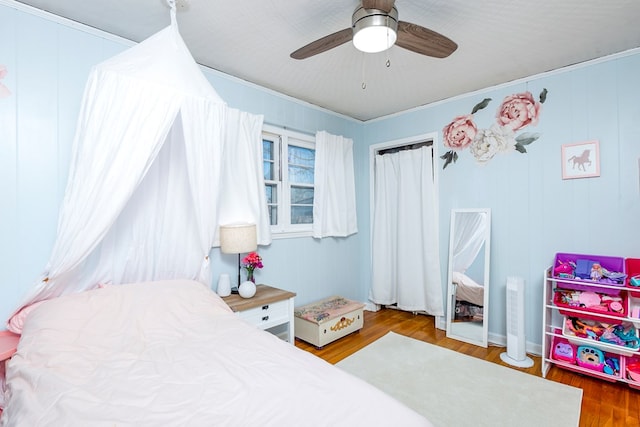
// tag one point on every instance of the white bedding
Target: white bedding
(173, 354)
(468, 290)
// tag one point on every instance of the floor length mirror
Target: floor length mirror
(468, 277)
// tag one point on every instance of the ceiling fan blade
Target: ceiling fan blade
(323, 44)
(384, 5)
(424, 41)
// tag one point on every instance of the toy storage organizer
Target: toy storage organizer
(591, 317)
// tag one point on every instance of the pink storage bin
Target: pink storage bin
(613, 308)
(632, 266)
(631, 371)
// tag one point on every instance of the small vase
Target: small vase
(250, 276)
(247, 289)
(224, 285)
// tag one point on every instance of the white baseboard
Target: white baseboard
(501, 341)
(495, 339)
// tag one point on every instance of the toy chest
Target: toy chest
(325, 321)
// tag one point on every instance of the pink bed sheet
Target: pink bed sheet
(173, 354)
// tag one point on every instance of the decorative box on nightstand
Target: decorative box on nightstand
(270, 309)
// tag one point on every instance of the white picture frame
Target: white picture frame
(581, 160)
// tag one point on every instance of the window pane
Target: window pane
(301, 196)
(272, 193)
(268, 163)
(273, 215)
(302, 215)
(267, 149)
(268, 168)
(301, 174)
(301, 156)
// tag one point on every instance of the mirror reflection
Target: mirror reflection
(468, 278)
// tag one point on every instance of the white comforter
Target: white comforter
(173, 354)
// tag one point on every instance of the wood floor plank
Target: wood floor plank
(604, 404)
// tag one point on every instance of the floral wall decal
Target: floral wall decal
(516, 112)
(4, 91)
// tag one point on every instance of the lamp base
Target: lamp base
(234, 290)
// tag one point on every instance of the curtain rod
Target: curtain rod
(306, 132)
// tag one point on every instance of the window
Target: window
(288, 162)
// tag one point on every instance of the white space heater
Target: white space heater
(516, 353)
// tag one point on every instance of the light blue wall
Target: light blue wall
(535, 213)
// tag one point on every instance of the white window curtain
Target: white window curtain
(334, 202)
(405, 242)
(468, 240)
(242, 198)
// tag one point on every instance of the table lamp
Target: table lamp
(238, 239)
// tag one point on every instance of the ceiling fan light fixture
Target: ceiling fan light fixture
(374, 30)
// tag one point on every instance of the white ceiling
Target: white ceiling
(499, 41)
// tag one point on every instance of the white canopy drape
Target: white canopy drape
(334, 201)
(152, 173)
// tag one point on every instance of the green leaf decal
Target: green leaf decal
(543, 95)
(526, 138)
(520, 148)
(481, 105)
(448, 157)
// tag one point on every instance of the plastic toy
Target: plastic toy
(635, 281)
(596, 271)
(564, 351)
(590, 358)
(633, 371)
(611, 366)
(565, 269)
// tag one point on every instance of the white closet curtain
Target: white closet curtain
(334, 201)
(468, 240)
(405, 242)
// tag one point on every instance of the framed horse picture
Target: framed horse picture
(581, 160)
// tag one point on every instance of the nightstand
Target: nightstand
(270, 309)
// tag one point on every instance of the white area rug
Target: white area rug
(452, 389)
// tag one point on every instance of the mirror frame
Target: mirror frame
(451, 295)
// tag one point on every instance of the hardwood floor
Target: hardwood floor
(603, 403)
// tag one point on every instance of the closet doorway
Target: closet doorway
(405, 259)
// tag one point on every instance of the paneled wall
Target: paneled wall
(535, 212)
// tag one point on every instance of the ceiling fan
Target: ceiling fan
(377, 20)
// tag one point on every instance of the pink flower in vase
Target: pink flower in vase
(251, 262)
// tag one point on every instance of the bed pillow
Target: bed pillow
(465, 280)
(16, 322)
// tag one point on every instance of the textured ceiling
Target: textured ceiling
(499, 41)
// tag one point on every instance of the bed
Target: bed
(469, 298)
(172, 353)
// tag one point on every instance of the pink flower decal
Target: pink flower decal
(515, 112)
(519, 110)
(4, 91)
(460, 132)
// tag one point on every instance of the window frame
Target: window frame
(282, 138)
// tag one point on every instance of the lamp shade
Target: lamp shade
(238, 238)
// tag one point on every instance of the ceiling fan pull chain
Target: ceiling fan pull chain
(364, 84)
